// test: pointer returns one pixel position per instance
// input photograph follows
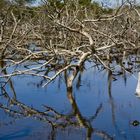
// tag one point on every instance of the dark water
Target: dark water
(99, 107)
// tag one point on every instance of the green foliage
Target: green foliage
(23, 2)
(3, 3)
(56, 8)
(85, 2)
(55, 4)
(107, 11)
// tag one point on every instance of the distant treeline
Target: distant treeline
(89, 6)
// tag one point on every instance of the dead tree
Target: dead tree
(64, 36)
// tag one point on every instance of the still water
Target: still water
(100, 106)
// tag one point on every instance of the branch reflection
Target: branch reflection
(56, 120)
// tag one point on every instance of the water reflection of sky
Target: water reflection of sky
(119, 107)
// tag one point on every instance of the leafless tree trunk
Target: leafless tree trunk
(138, 86)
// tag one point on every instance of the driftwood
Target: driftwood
(138, 86)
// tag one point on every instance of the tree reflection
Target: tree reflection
(8, 80)
(56, 120)
(86, 123)
(110, 77)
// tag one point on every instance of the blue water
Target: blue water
(118, 107)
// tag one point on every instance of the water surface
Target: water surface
(99, 106)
